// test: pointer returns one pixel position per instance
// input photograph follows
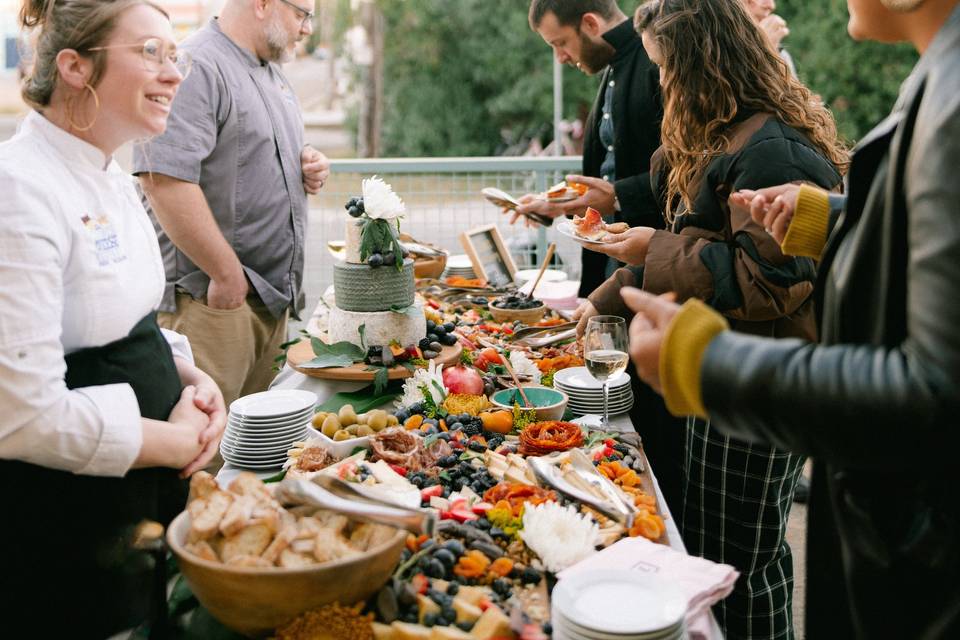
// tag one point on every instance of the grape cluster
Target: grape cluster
(441, 334)
(354, 206)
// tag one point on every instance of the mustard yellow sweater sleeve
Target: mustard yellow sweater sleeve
(681, 356)
(807, 234)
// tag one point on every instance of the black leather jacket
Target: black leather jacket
(877, 403)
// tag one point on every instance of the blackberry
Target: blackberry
(424, 344)
(472, 429)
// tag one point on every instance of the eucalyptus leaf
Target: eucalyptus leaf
(407, 311)
(380, 380)
(339, 354)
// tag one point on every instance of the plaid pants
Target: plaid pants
(736, 501)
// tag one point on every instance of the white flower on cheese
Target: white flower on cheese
(379, 200)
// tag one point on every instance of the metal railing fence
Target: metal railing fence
(442, 197)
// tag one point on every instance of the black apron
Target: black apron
(65, 538)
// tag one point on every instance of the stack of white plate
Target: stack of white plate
(459, 265)
(586, 393)
(617, 604)
(262, 426)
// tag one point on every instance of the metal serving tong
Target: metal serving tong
(334, 494)
(536, 337)
(581, 481)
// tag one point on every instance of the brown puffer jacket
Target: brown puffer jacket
(718, 254)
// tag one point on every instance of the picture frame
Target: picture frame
(489, 255)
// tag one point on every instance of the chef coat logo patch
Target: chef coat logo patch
(106, 244)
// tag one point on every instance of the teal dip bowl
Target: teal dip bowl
(549, 403)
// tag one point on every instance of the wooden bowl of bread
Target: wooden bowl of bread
(255, 565)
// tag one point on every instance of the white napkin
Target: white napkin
(705, 583)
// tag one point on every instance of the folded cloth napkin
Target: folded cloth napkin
(704, 582)
(556, 295)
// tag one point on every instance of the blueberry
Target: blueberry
(448, 461)
(449, 614)
(430, 619)
(456, 426)
(432, 421)
(416, 407)
(360, 203)
(375, 260)
(417, 482)
(433, 337)
(423, 563)
(439, 330)
(455, 547)
(497, 532)
(449, 326)
(410, 616)
(465, 625)
(482, 523)
(444, 435)
(530, 576)
(501, 586)
(449, 340)
(354, 211)
(547, 628)
(435, 569)
(445, 556)
(477, 447)
(431, 325)
(402, 415)
(427, 544)
(389, 258)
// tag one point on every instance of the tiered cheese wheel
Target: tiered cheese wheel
(380, 299)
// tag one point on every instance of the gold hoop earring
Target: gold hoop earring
(96, 103)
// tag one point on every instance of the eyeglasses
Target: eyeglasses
(308, 16)
(155, 54)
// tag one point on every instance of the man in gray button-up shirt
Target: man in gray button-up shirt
(227, 185)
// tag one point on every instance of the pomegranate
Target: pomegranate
(460, 379)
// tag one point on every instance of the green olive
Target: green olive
(330, 426)
(365, 430)
(318, 418)
(347, 415)
(341, 435)
(352, 429)
(377, 419)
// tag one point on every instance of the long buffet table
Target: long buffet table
(324, 389)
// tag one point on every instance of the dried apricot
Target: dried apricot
(413, 422)
(502, 567)
(473, 564)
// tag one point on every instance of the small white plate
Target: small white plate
(550, 275)
(279, 403)
(254, 422)
(580, 378)
(566, 228)
(620, 601)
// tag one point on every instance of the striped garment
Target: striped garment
(736, 501)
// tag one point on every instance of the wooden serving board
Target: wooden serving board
(303, 352)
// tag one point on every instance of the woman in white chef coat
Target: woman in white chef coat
(102, 413)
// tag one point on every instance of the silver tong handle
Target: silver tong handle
(363, 508)
(549, 475)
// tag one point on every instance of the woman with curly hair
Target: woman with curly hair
(734, 118)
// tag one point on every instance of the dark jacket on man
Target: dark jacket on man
(876, 404)
(637, 112)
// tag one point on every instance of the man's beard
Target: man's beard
(593, 56)
(278, 42)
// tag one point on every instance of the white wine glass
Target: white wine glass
(605, 350)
